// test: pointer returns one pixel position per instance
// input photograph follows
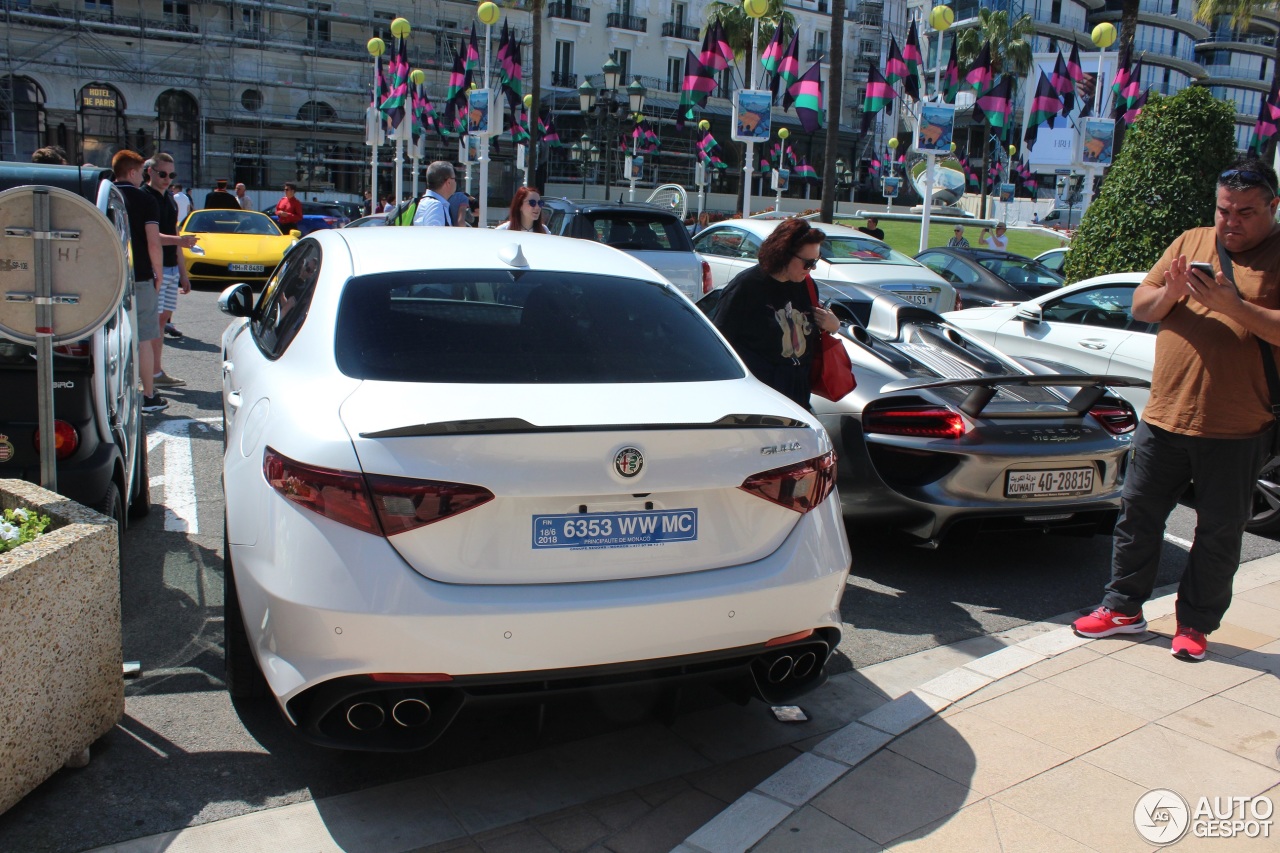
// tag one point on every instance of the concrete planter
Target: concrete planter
(60, 653)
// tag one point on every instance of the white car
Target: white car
(847, 255)
(540, 472)
(1090, 326)
(1054, 259)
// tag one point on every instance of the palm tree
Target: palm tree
(1240, 14)
(1010, 45)
(739, 31)
(835, 92)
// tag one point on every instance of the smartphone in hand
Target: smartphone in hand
(1203, 267)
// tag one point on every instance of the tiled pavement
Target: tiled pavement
(1032, 741)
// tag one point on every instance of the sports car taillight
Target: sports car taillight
(377, 504)
(800, 487)
(1116, 420)
(707, 284)
(921, 421)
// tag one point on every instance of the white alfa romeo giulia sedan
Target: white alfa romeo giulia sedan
(472, 465)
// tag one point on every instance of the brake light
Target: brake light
(707, 284)
(331, 222)
(65, 439)
(381, 505)
(790, 638)
(800, 487)
(1116, 420)
(919, 421)
(409, 677)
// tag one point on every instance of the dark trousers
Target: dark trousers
(1164, 464)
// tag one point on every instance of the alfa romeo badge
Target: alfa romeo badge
(628, 462)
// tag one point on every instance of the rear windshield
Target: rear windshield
(859, 250)
(494, 326)
(636, 232)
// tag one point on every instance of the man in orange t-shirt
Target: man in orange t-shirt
(1209, 416)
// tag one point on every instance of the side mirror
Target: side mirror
(1030, 314)
(295, 234)
(236, 300)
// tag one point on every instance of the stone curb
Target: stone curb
(755, 814)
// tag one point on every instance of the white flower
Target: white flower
(8, 532)
(21, 515)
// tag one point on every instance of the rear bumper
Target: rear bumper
(324, 603)
(944, 495)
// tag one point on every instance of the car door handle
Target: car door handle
(233, 399)
(1093, 343)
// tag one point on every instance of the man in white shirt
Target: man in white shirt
(433, 208)
(246, 203)
(183, 201)
(998, 242)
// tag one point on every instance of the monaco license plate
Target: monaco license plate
(1060, 481)
(918, 298)
(246, 268)
(615, 529)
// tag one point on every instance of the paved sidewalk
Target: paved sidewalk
(1030, 740)
(1048, 745)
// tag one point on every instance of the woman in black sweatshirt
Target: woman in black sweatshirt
(767, 315)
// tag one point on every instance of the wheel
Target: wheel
(244, 678)
(112, 506)
(1265, 520)
(140, 505)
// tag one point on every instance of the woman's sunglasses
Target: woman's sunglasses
(533, 202)
(808, 263)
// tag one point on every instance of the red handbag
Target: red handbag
(831, 371)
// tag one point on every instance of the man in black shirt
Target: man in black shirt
(144, 241)
(161, 172)
(873, 228)
(220, 199)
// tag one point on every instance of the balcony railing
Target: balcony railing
(814, 54)
(619, 21)
(569, 12)
(564, 79)
(671, 29)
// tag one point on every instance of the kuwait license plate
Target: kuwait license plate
(615, 529)
(246, 268)
(1061, 481)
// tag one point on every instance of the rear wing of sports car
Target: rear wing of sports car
(983, 389)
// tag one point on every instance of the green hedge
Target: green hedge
(1162, 183)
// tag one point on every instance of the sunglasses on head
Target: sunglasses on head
(1248, 176)
(161, 174)
(807, 263)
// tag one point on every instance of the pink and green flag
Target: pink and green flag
(805, 172)
(1064, 85)
(393, 107)
(878, 96)
(699, 83)
(806, 96)
(951, 76)
(789, 70)
(772, 58)
(996, 104)
(979, 73)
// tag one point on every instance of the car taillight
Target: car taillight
(331, 222)
(707, 284)
(920, 421)
(80, 349)
(381, 505)
(65, 439)
(800, 487)
(1116, 420)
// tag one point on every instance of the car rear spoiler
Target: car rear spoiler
(1092, 388)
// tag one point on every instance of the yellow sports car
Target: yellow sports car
(238, 246)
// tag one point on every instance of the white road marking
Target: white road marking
(1181, 543)
(181, 506)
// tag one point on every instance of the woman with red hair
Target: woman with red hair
(767, 315)
(525, 213)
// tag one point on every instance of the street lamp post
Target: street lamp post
(1103, 35)
(893, 153)
(418, 150)
(844, 178)
(940, 18)
(488, 14)
(373, 122)
(609, 110)
(400, 29)
(783, 134)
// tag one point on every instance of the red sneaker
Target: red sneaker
(1189, 644)
(1105, 622)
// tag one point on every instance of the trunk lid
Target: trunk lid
(646, 477)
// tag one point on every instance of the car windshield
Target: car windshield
(858, 250)
(523, 327)
(1021, 272)
(637, 232)
(230, 222)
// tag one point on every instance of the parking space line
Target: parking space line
(180, 504)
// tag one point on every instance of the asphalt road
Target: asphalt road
(186, 754)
